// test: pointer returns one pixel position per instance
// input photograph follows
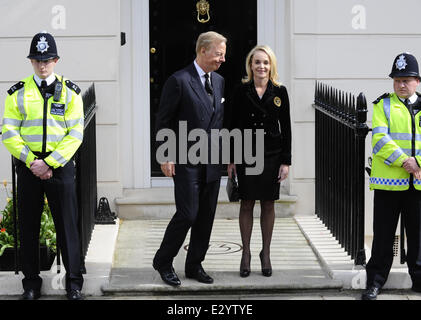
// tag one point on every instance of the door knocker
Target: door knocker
(202, 10)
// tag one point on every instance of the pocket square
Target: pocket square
(222, 100)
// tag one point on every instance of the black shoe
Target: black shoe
(74, 294)
(169, 277)
(244, 273)
(200, 275)
(244, 270)
(416, 288)
(267, 272)
(30, 294)
(370, 293)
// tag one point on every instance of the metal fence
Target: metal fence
(340, 132)
(86, 173)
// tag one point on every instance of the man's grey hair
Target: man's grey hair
(206, 39)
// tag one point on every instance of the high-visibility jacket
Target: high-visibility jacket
(396, 137)
(32, 125)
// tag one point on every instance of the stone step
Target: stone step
(225, 283)
(159, 203)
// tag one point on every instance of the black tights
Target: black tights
(267, 220)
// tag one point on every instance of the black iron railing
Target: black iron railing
(86, 173)
(86, 180)
(340, 157)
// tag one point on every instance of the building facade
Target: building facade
(349, 44)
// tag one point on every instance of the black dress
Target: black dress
(270, 113)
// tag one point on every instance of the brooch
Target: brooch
(277, 101)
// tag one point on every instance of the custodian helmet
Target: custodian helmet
(43, 47)
(405, 65)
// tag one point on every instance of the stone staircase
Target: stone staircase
(295, 265)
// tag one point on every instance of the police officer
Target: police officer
(42, 129)
(395, 176)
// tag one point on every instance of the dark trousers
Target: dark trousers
(61, 196)
(195, 201)
(388, 205)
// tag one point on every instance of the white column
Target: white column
(272, 30)
(140, 95)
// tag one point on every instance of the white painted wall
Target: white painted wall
(349, 44)
(87, 34)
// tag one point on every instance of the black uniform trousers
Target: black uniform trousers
(61, 195)
(388, 205)
(196, 202)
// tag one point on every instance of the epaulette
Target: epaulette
(386, 95)
(72, 86)
(15, 87)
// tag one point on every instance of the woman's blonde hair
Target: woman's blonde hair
(273, 74)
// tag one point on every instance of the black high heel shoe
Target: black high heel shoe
(244, 272)
(267, 272)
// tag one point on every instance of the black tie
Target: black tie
(406, 102)
(43, 84)
(208, 85)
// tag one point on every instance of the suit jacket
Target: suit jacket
(184, 98)
(271, 113)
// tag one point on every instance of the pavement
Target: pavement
(307, 262)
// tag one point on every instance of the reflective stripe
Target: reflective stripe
(395, 135)
(409, 151)
(39, 123)
(38, 138)
(74, 122)
(24, 154)
(20, 99)
(381, 143)
(69, 94)
(386, 108)
(51, 123)
(380, 130)
(392, 158)
(58, 157)
(389, 182)
(401, 136)
(12, 122)
(76, 134)
(405, 136)
(10, 134)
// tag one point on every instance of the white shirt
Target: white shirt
(50, 79)
(201, 73)
(411, 99)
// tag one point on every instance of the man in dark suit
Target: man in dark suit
(192, 97)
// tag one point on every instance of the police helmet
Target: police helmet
(405, 65)
(43, 47)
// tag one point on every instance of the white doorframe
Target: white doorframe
(270, 30)
(140, 95)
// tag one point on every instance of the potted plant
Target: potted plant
(47, 236)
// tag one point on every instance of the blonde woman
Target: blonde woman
(261, 102)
